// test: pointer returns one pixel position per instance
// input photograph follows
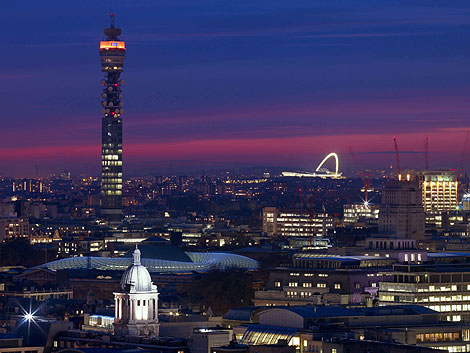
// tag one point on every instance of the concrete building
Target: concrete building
(401, 211)
(403, 250)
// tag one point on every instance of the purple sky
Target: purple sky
(223, 83)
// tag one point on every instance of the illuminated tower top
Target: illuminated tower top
(112, 49)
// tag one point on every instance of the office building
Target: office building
(296, 223)
(112, 53)
(442, 287)
(360, 212)
(439, 189)
(323, 279)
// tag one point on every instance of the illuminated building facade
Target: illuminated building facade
(360, 212)
(444, 288)
(11, 228)
(296, 223)
(112, 53)
(136, 305)
(439, 189)
(28, 185)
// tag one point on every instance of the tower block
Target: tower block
(112, 54)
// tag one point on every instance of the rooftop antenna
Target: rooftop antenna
(111, 15)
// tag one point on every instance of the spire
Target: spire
(111, 15)
(136, 256)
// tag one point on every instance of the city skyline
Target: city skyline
(259, 84)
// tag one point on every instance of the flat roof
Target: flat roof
(448, 254)
(339, 311)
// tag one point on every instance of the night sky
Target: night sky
(213, 84)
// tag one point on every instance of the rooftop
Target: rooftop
(339, 311)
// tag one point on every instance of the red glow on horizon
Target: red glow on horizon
(281, 150)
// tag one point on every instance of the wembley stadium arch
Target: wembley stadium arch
(320, 171)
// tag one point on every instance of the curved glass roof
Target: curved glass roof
(201, 262)
(161, 250)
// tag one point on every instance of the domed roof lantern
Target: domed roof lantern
(137, 278)
(136, 255)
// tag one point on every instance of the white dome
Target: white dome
(136, 278)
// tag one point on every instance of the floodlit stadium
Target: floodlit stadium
(159, 257)
(320, 172)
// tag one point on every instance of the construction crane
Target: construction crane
(366, 178)
(397, 156)
(299, 191)
(426, 152)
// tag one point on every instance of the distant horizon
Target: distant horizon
(195, 168)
